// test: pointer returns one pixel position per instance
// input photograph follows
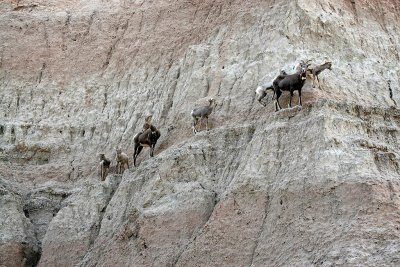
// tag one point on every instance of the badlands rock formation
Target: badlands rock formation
(313, 187)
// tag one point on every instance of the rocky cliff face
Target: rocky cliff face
(312, 187)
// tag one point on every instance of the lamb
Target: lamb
(290, 83)
(105, 166)
(122, 160)
(261, 91)
(146, 138)
(201, 113)
(318, 69)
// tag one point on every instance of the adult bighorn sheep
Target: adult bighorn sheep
(290, 83)
(201, 113)
(315, 71)
(146, 138)
(122, 160)
(105, 166)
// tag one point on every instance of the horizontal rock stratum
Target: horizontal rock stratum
(317, 186)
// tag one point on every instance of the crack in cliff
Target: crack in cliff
(91, 19)
(111, 51)
(391, 92)
(37, 206)
(95, 228)
(267, 207)
(198, 233)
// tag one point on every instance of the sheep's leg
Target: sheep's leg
(278, 94)
(319, 85)
(300, 104)
(138, 150)
(105, 173)
(313, 80)
(207, 123)
(102, 171)
(290, 99)
(259, 100)
(261, 97)
(152, 150)
(194, 125)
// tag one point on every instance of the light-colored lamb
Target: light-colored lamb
(122, 160)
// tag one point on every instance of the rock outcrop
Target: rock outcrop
(312, 187)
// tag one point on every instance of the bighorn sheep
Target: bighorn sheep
(122, 160)
(148, 138)
(105, 166)
(315, 71)
(201, 113)
(290, 83)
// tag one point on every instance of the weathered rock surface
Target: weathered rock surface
(318, 186)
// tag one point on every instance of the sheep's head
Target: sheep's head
(305, 64)
(154, 136)
(212, 101)
(102, 156)
(260, 90)
(303, 68)
(148, 119)
(329, 64)
(119, 151)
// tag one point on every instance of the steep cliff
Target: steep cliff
(312, 187)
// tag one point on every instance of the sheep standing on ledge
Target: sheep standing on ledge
(105, 166)
(147, 138)
(290, 83)
(201, 113)
(315, 71)
(122, 160)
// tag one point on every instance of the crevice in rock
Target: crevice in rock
(25, 7)
(194, 236)
(391, 92)
(18, 99)
(110, 52)
(95, 228)
(13, 138)
(1, 58)
(91, 19)
(41, 72)
(67, 20)
(267, 207)
(40, 208)
(104, 102)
